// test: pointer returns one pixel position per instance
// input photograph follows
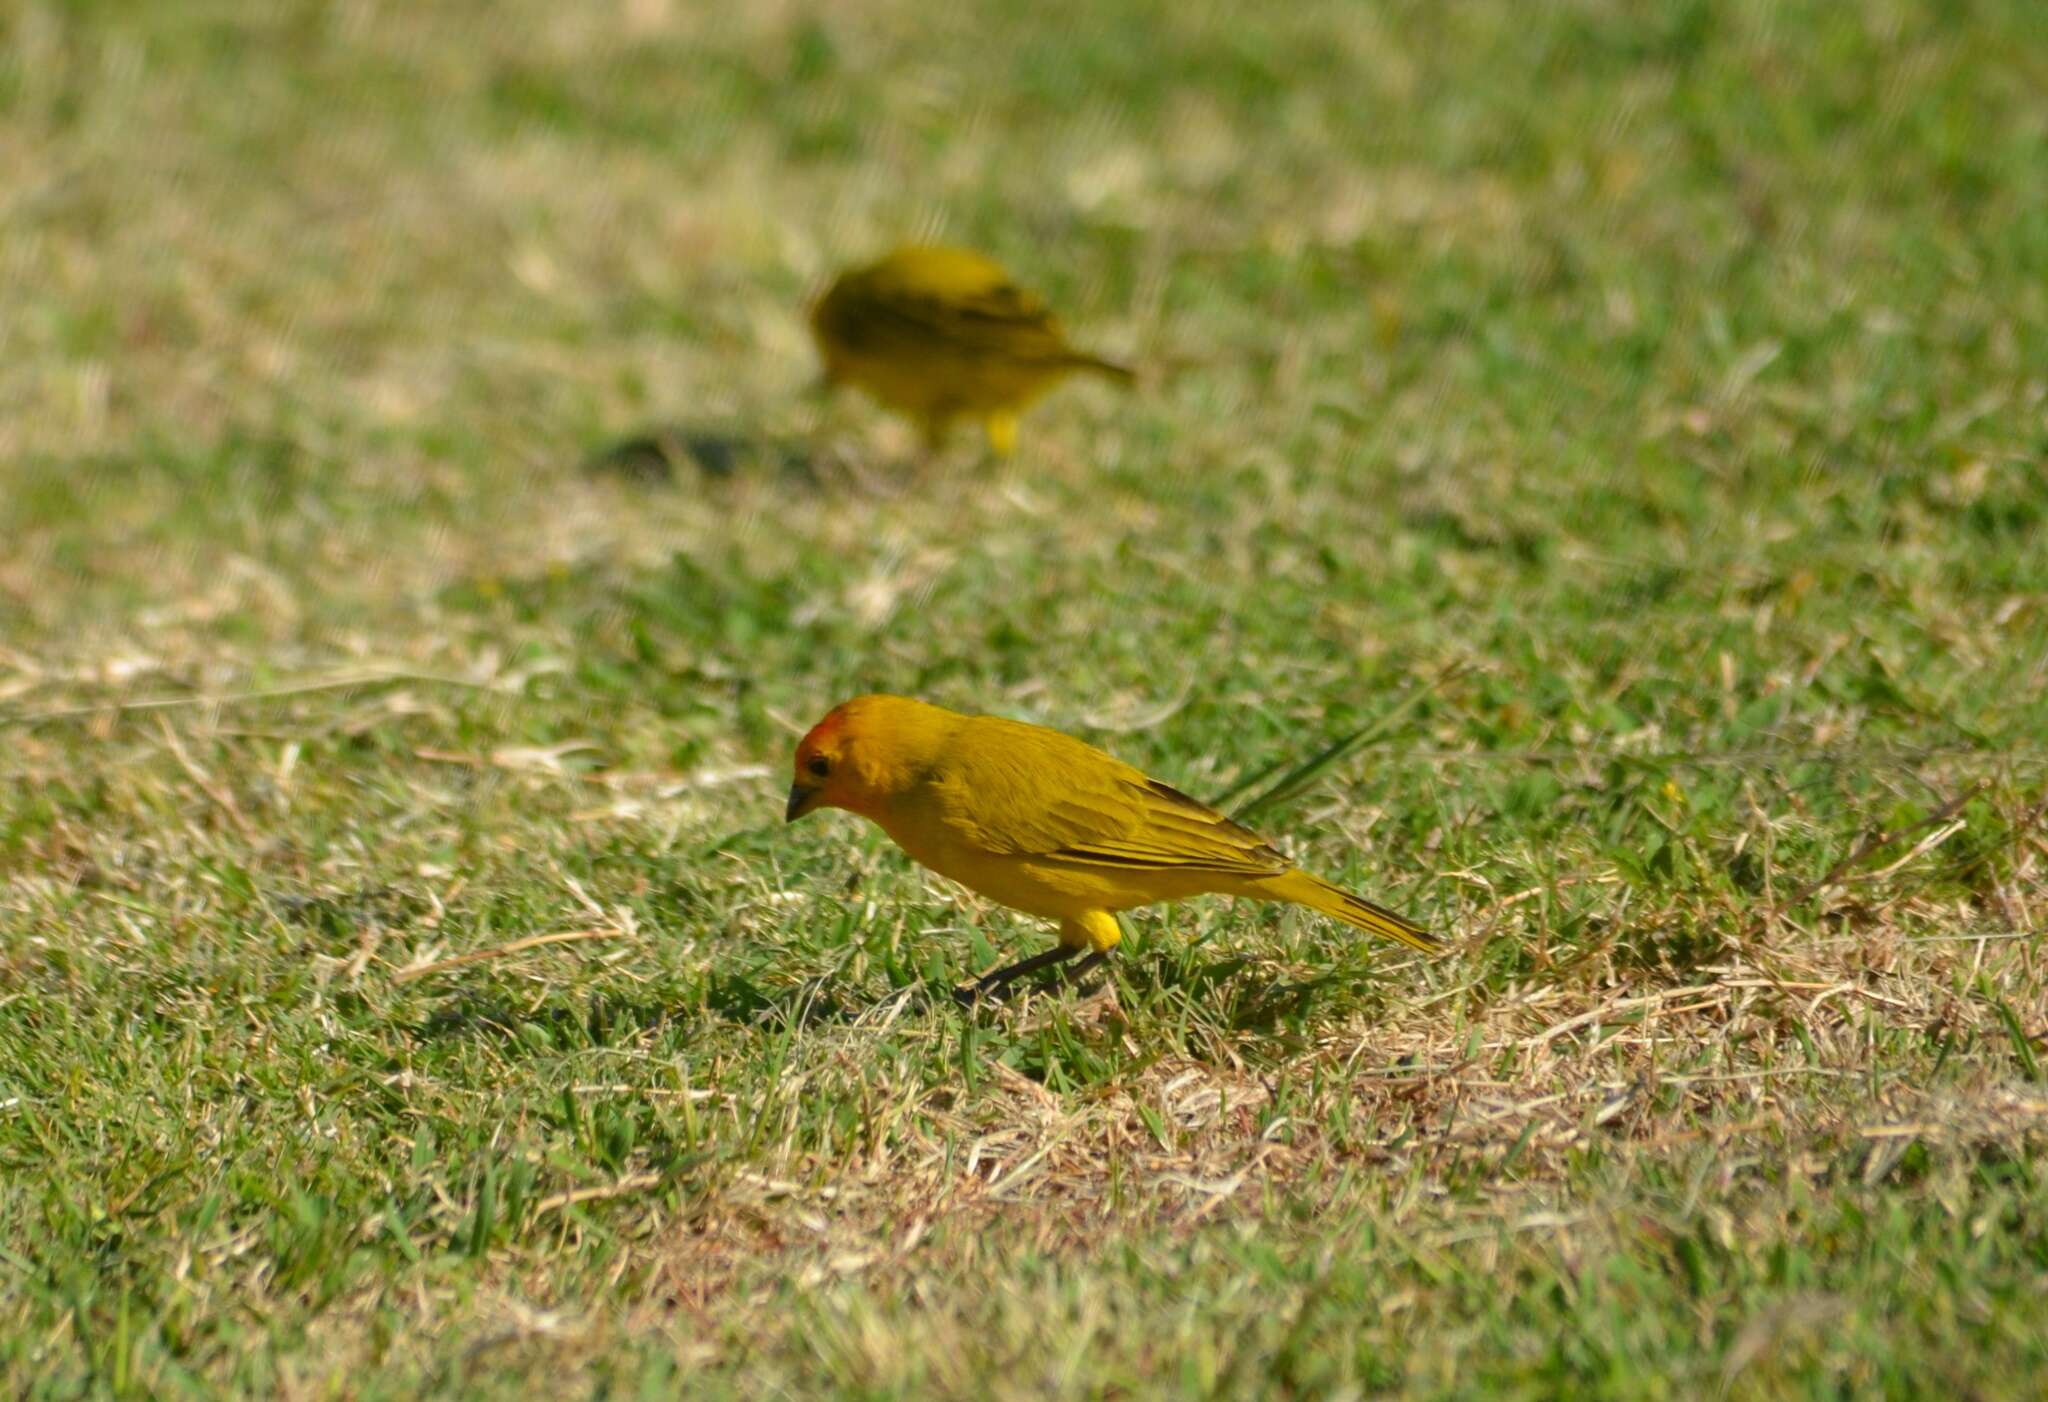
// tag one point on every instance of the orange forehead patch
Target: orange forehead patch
(834, 720)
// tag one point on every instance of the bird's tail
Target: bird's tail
(1301, 888)
(1121, 375)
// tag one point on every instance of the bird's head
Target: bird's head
(864, 753)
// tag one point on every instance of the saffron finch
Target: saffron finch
(941, 334)
(1047, 825)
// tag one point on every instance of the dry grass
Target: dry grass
(1628, 424)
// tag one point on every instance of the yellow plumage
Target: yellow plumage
(1046, 824)
(942, 334)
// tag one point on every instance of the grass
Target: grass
(1626, 422)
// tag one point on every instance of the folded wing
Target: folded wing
(1002, 323)
(1035, 792)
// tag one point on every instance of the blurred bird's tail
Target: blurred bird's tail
(1339, 904)
(1121, 375)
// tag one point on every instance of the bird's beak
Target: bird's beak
(801, 801)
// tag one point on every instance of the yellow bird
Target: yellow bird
(1047, 825)
(941, 334)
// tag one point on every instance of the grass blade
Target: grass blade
(1305, 775)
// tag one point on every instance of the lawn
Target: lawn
(1625, 423)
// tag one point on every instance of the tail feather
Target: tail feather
(1302, 888)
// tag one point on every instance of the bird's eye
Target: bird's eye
(819, 766)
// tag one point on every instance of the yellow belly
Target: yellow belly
(1049, 889)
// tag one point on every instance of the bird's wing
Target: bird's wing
(1035, 792)
(1179, 833)
(976, 310)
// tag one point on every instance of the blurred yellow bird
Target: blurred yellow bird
(943, 333)
(1047, 825)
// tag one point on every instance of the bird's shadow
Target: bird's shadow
(673, 451)
(1248, 1005)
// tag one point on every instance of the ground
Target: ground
(421, 542)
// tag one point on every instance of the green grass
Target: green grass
(1631, 417)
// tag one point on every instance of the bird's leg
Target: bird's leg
(1001, 427)
(1081, 970)
(996, 984)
